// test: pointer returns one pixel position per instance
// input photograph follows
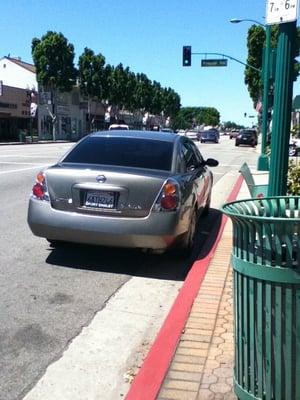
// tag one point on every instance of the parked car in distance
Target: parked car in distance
(210, 135)
(191, 134)
(233, 134)
(181, 132)
(167, 130)
(118, 127)
(134, 189)
(246, 136)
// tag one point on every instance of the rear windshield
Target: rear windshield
(125, 152)
(248, 133)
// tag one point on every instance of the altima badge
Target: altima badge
(101, 179)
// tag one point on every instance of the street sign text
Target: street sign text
(281, 11)
(222, 62)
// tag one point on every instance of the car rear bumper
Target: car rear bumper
(156, 231)
(246, 142)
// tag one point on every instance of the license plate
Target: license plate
(100, 200)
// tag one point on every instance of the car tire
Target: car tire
(237, 145)
(189, 239)
(55, 243)
(207, 207)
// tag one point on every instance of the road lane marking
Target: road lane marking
(27, 156)
(22, 169)
(19, 163)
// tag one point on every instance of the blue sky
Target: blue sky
(148, 37)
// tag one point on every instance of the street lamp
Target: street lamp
(263, 160)
(237, 21)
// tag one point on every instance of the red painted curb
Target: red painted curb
(147, 383)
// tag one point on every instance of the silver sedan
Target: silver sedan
(134, 189)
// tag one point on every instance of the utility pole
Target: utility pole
(282, 110)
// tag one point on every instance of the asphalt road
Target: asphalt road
(48, 295)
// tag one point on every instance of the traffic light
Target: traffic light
(187, 56)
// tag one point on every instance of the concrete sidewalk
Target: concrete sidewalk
(202, 366)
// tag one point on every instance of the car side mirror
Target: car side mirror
(211, 162)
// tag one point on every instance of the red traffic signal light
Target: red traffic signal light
(187, 56)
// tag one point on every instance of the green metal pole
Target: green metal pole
(282, 110)
(263, 160)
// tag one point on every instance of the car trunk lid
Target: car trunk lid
(115, 191)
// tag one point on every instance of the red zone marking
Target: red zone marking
(148, 381)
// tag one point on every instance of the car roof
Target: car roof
(152, 135)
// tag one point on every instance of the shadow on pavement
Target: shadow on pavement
(168, 266)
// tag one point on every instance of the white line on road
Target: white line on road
(19, 163)
(21, 169)
(27, 156)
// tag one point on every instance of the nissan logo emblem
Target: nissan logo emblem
(100, 179)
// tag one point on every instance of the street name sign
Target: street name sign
(222, 62)
(281, 11)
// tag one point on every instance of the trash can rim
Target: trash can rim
(229, 212)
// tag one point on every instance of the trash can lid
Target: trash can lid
(278, 208)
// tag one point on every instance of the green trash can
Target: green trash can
(266, 267)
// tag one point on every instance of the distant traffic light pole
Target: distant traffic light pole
(263, 160)
(187, 58)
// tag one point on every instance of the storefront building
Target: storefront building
(17, 86)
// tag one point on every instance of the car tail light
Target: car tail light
(39, 190)
(168, 199)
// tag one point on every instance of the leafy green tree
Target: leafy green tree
(143, 92)
(118, 80)
(171, 102)
(156, 106)
(208, 116)
(130, 89)
(255, 43)
(91, 76)
(188, 117)
(232, 125)
(53, 57)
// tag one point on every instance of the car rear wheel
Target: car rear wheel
(189, 239)
(236, 144)
(55, 243)
(207, 207)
